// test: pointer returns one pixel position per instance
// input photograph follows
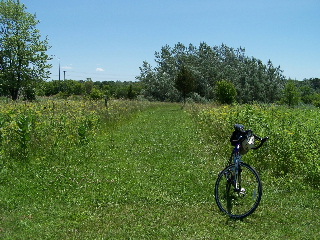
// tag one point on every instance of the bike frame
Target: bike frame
(237, 158)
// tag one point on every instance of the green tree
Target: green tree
(316, 99)
(307, 94)
(88, 86)
(291, 94)
(96, 94)
(185, 82)
(226, 92)
(131, 94)
(23, 53)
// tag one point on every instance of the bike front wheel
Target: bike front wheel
(238, 198)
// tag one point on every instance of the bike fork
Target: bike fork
(237, 174)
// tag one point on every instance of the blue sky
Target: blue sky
(109, 39)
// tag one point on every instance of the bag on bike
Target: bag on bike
(245, 138)
(246, 144)
(237, 134)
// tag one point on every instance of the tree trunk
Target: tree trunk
(14, 92)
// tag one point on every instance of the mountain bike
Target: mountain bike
(238, 188)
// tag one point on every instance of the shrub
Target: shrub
(226, 92)
(96, 94)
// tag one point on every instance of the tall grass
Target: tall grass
(50, 127)
(293, 149)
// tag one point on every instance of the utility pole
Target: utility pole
(64, 75)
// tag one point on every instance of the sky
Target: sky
(108, 40)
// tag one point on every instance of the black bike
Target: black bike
(238, 189)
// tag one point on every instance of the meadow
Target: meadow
(77, 169)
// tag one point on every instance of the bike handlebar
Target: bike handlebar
(262, 140)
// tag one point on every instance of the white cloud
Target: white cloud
(67, 67)
(99, 69)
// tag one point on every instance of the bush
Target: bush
(96, 94)
(291, 94)
(226, 92)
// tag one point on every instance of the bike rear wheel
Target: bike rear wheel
(242, 201)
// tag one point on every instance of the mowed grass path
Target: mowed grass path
(149, 177)
(161, 181)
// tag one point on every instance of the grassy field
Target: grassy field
(147, 175)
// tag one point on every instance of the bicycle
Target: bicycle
(238, 188)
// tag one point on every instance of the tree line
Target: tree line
(90, 89)
(210, 67)
(222, 74)
(306, 92)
